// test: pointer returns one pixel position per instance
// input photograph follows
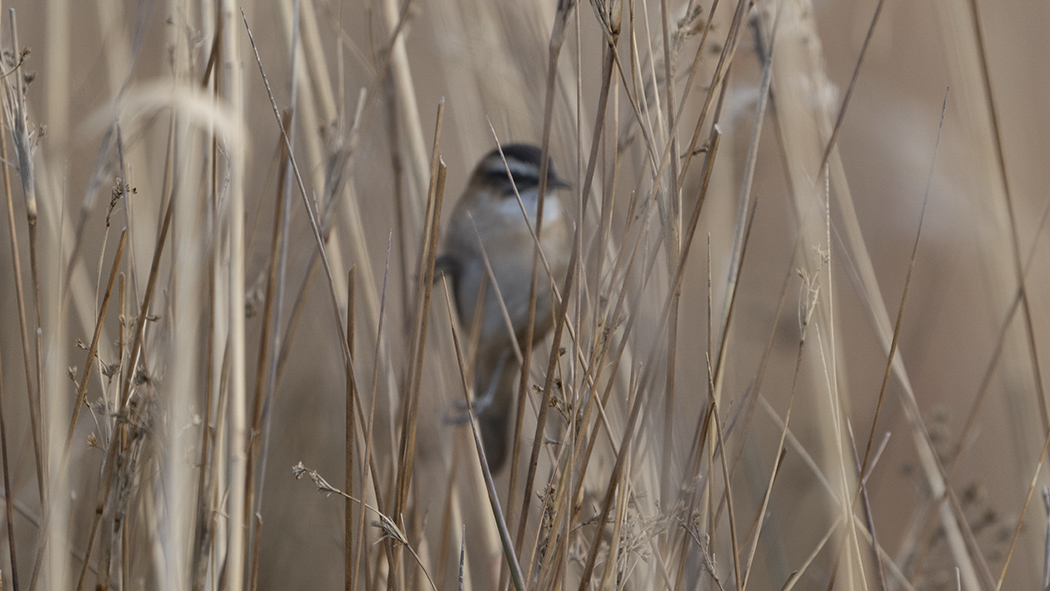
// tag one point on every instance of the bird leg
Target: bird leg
(482, 402)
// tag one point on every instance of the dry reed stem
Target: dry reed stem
(449, 515)
(714, 374)
(206, 531)
(410, 408)
(315, 224)
(714, 386)
(628, 431)
(606, 328)
(596, 367)
(674, 226)
(350, 435)
(704, 423)
(124, 396)
(831, 144)
(557, 39)
(583, 453)
(232, 89)
(863, 464)
(490, 486)
(17, 118)
(718, 78)
(744, 200)
(9, 499)
(32, 385)
(308, 205)
(266, 375)
(587, 451)
(368, 463)
(876, 308)
(406, 101)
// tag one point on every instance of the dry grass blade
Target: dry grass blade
(966, 433)
(993, 115)
(812, 464)
(718, 78)
(808, 307)
(852, 84)
(904, 295)
(1024, 511)
(728, 494)
(866, 502)
(637, 458)
(714, 386)
(863, 467)
(307, 204)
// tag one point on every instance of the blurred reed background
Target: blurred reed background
(755, 318)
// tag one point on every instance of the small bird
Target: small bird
(488, 219)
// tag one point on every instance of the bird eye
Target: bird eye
(524, 175)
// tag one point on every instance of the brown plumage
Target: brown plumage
(489, 209)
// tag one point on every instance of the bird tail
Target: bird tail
(495, 420)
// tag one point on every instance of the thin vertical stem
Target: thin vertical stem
(351, 434)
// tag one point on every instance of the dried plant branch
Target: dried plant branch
(93, 348)
(390, 530)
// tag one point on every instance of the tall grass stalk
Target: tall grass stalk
(200, 294)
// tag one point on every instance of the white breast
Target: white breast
(511, 209)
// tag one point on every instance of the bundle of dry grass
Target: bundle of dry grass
(797, 345)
